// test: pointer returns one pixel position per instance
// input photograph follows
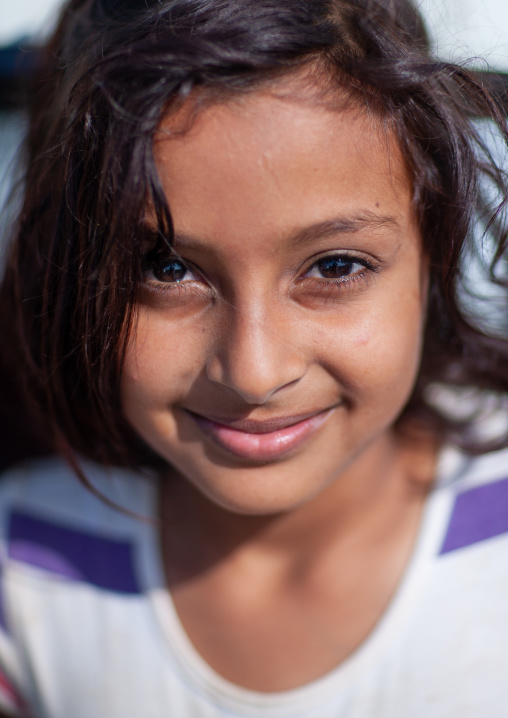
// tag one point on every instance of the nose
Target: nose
(258, 353)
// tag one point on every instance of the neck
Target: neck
(372, 496)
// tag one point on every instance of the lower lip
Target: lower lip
(262, 447)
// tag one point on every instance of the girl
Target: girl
(238, 291)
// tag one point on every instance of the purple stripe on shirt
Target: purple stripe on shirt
(78, 555)
(480, 513)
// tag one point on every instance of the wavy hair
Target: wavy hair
(113, 69)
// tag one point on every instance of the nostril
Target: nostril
(262, 352)
(252, 378)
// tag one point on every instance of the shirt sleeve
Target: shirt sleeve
(12, 702)
(14, 679)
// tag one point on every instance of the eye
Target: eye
(169, 270)
(337, 266)
(170, 281)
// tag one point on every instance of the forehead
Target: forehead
(272, 163)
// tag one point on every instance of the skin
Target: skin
(291, 560)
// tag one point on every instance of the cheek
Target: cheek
(161, 362)
(374, 347)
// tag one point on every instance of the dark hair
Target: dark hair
(113, 68)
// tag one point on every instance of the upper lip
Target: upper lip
(255, 426)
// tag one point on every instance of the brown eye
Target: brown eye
(169, 270)
(336, 266)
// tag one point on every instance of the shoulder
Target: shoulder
(69, 565)
(479, 486)
(51, 523)
(51, 486)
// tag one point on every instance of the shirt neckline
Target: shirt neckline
(204, 680)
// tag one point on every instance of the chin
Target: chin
(258, 492)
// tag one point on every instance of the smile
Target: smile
(261, 440)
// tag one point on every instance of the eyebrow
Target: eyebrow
(347, 224)
(360, 221)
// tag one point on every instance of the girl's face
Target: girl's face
(278, 344)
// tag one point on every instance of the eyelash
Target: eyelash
(329, 285)
(347, 282)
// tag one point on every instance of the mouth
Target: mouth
(261, 440)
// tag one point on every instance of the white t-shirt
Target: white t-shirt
(88, 629)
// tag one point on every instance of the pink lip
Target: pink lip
(262, 441)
